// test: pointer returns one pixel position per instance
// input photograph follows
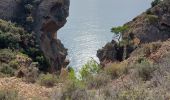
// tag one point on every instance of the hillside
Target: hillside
(33, 61)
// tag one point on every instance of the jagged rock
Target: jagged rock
(49, 16)
(110, 53)
(152, 25)
(54, 51)
(113, 52)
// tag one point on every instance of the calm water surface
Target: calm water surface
(89, 24)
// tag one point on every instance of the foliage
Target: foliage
(116, 69)
(6, 55)
(145, 69)
(48, 80)
(73, 90)
(149, 12)
(14, 64)
(15, 38)
(152, 18)
(155, 2)
(98, 81)
(120, 29)
(9, 95)
(6, 66)
(72, 74)
(7, 70)
(90, 68)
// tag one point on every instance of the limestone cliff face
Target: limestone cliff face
(49, 16)
(152, 25)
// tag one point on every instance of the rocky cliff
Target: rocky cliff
(45, 18)
(152, 25)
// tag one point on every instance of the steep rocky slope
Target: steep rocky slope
(152, 25)
(45, 18)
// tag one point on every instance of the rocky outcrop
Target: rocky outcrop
(113, 52)
(152, 25)
(48, 17)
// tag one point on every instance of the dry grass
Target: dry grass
(116, 69)
(27, 91)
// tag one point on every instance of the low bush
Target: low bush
(9, 95)
(6, 55)
(14, 64)
(133, 94)
(7, 70)
(97, 81)
(48, 80)
(152, 18)
(90, 68)
(116, 70)
(73, 90)
(145, 69)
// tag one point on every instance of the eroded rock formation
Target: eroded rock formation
(152, 25)
(48, 17)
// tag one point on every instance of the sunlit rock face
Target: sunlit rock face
(152, 25)
(49, 16)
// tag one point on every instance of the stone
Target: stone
(49, 16)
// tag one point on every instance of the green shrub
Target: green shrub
(120, 29)
(14, 64)
(17, 39)
(9, 95)
(152, 18)
(72, 74)
(7, 70)
(90, 68)
(6, 55)
(149, 12)
(145, 69)
(48, 80)
(155, 2)
(9, 40)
